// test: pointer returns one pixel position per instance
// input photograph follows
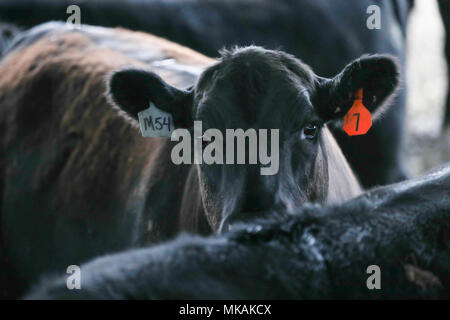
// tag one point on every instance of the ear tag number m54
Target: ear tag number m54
(358, 119)
(155, 122)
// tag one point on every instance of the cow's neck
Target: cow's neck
(342, 182)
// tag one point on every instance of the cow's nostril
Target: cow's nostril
(241, 217)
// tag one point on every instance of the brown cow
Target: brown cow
(78, 180)
(74, 174)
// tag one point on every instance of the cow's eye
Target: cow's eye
(310, 131)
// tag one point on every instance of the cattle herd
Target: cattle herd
(80, 185)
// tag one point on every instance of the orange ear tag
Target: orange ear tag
(358, 119)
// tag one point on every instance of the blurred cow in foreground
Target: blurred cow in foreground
(317, 253)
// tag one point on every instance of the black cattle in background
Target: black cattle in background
(326, 34)
(318, 253)
(444, 7)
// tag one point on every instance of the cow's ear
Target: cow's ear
(377, 75)
(132, 90)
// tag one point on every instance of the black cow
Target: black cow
(315, 254)
(325, 34)
(256, 88)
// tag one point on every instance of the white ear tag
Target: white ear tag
(155, 122)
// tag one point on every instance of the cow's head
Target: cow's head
(264, 89)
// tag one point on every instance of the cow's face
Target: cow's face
(253, 88)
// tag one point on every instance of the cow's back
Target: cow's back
(74, 172)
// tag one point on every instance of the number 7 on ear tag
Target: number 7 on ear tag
(358, 119)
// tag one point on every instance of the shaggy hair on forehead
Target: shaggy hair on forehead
(249, 71)
(274, 58)
(250, 78)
